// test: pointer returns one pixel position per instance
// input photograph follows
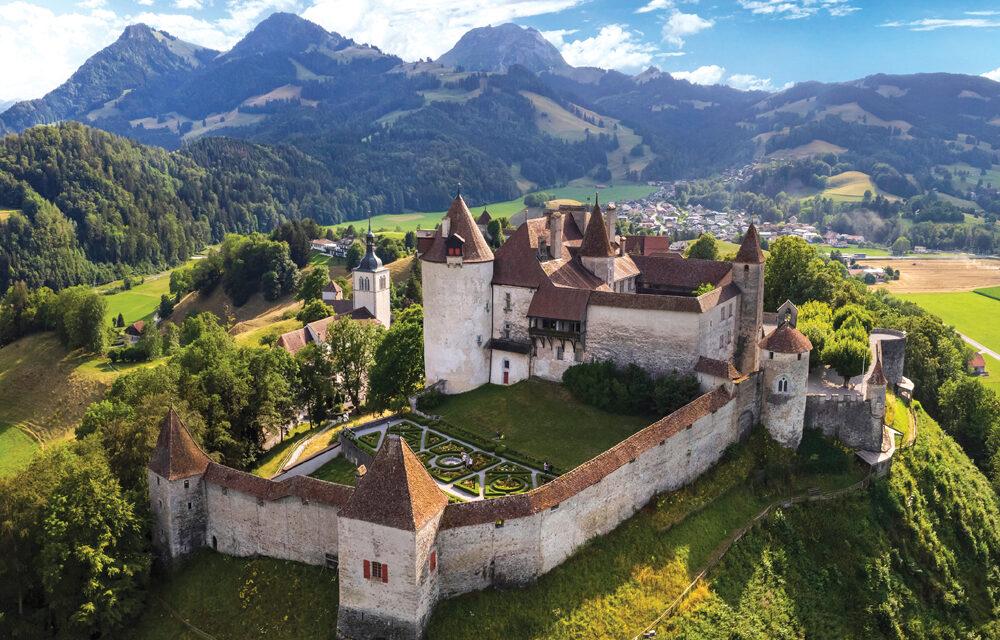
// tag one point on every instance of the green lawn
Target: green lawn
(270, 463)
(241, 598)
(339, 470)
(540, 419)
(17, 447)
(616, 584)
(990, 292)
(139, 302)
(970, 313)
(993, 368)
(403, 222)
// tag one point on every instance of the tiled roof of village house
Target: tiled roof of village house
(786, 339)
(559, 303)
(718, 368)
(136, 328)
(317, 331)
(302, 487)
(750, 248)
(682, 273)
(977, 360)
(589, 473)
(484, 217)
(461, 223)
(396, 491)
(647, 245)
(176, 454)
(333, 286)
(596, 243)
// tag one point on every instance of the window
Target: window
(506, 330)
(559, 353)
(381, 283)
(506, 302)
(506, 363)
(782, 385)
(455, 251)
(376, 571)
(332, 562)
(225, 491)
(433, 560)
(189, 506)
(770, 355)
(187, 484)
(157, 480)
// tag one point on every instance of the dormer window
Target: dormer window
(454, 251)
(454, 246)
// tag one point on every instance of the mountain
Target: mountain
(7, 104)
(286, 33)
(140, 55)
(500, 48)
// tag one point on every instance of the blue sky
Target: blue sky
(745, 43)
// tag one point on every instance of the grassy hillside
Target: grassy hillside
(850, 186)
(970, 313)
(911, 557)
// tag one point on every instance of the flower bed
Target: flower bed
(468, 485)
(371, 440)
(432, 440)
(506, 484)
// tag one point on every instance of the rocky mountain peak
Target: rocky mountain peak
(501, 47)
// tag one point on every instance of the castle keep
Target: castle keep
(561, 290)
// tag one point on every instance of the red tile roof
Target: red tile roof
(559, 303)
(750, 248)
(294, 341)
(596, 243)
(303, 487)
(475, 248)
(176, 455)
(977, 360)
(396, 491)
(786, 339)
(589, 473)
(877, 376)
(647, 245)
(136, 328)
(717, 368)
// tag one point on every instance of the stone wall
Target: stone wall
(504, 549)
(292, 528)
(515, 312)
(719, 331)
(845, 417)
(179, 510)
(546, 363)
(656, 340)
(519, 369)
(784, 410)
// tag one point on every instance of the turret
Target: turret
(596, 251)
(176, 490)
(457, 275)
(388, 567)
(784, 356)
(371, 283)
(876, 386)
(748, 274)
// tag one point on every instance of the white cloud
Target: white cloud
(558, 36)
(708, 74)
(614, 47)
(993, 75)
(145, 3)
(933, 24)
(420, 28)
(91, 4)
(681, 25)
(982, 13)
(750, 82)
(188, 4)
(655, 5)
(794, 9)
(189, 28)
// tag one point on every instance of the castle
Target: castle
(561, 290)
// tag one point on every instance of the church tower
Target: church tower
(371, 283)
(748, 274)
(177, 491)
(457, 275)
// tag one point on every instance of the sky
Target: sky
(748, 44)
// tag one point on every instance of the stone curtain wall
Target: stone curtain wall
(656, 340)
(291, 528)
(846, 418)
(502, 549)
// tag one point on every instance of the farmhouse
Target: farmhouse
(561, 290)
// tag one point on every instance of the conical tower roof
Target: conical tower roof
(596, 243)
(460, 223)
(396, 491)
(750, 252)
(877, 376)
(176, 454)
(786, 339)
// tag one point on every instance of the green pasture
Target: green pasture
(16, 449)
(970, 313)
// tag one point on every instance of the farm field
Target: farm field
(923, 275)
(850, 186)
(141, 301)
(992, 175)
(970, 313)
(402, 222)
(540, 419)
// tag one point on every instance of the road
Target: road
(980, 346)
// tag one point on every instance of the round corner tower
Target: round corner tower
(784, 357)
(457, 276)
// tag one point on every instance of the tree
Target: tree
(970, 412)
(314, 388)
(846, 353)
(901, 246)
(120, 322)
(398, 370)
(312, 283)
(706, 247)
(150, 343)
(314, 310)
(352, 353)
(166, 306)
(795, 271)
(92, 561)
(410, 240)
(354, 255)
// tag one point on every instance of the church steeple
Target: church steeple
(370, 262)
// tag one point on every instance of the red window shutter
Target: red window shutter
(368, 570)
(434, 560)
(385, 572)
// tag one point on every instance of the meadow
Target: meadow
(971, 314)
(850, 186)
(400, 223)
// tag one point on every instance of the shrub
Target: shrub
(630, 391)
(430, 399)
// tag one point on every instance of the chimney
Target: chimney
(610, 218)
(543, 249)
(445, 227)
(556, 234)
